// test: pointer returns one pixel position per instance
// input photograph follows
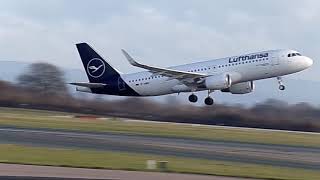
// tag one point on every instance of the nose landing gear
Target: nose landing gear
(281, 86)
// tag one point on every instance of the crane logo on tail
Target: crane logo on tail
(96, 67)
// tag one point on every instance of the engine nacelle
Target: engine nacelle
(218, 82)
(240, 88)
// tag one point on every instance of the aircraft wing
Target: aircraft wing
(183, 76)
(89, 85)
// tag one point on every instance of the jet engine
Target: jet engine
(218, 82)
(240, 88)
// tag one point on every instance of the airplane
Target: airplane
(234, 74)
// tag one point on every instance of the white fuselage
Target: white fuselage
(240, 68)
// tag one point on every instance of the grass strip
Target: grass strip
(137, 162)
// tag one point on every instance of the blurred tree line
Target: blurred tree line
(42, 86)
(44, 78)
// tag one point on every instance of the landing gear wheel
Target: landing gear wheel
(193, 98)
(282, 87)
(208, 101)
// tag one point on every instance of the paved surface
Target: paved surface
(24, 172)
(41, 178)
(275, 155)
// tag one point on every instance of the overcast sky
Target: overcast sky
(163, 33)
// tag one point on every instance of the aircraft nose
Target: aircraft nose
(308, 61)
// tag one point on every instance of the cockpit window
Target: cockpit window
(294, 54)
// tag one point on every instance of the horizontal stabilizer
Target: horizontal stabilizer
(89, 85)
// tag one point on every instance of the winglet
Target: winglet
(129, 58)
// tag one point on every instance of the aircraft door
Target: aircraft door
(274, 60)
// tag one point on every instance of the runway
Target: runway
(275, 155)
(29, 172)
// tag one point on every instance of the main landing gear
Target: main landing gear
(208, 100)
(281, 86)
(193, 98)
